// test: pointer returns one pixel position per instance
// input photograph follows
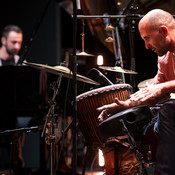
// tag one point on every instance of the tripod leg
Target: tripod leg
(14, 154)
(85, 160)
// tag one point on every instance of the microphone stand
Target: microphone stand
(74, 128)
(103, 76)
(132, 48)
(13, 168)
(50, 122)
(119, 52)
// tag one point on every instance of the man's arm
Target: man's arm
(149, 96)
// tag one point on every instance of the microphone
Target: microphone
(103, 76)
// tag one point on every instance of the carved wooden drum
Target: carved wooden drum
(88, 102)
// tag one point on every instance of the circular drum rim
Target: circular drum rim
(102, 90)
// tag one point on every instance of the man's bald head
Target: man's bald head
(157, 17)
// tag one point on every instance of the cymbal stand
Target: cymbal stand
(50, 124)
(83, 35)
(119, 52)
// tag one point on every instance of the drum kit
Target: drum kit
(119, 132)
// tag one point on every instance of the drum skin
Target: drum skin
(87, 104)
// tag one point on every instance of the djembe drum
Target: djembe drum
(88, 103)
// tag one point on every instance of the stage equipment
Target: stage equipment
(15, 135)
(125, 130)
(132, 118)
(117, 69)
(118, 56)
(61, 70)
(51, 119)
(99, 60)
(109, 30)
(83, 53)
(105, 79)
(109, 39)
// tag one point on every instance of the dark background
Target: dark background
(52, 35)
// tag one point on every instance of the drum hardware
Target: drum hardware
(127, 133)
(149, 156)
(130, 144)
(119, 140)
(119, 58)
(122, 129)
(109, 29)
(83, 53)
(133, 146)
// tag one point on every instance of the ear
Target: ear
(3, 40)
(164, 30)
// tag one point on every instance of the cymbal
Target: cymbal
(84, 54)
(142, 84)
(109, 40)
(109, 28)
(117, 69)
(57, 70)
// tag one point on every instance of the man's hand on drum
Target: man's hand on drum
(150, 96)
(113, 108)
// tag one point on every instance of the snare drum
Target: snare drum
(88, 102)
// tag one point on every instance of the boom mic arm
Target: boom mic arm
(103, 76)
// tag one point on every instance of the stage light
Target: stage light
(119, 3)
(101, 158)
(99, 60)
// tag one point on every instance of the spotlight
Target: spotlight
(101, 158)
(99, 60)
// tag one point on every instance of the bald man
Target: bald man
(157, 29)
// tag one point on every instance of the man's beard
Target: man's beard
(161, 53)
(11, 51)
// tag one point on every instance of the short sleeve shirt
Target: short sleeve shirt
(166, 68)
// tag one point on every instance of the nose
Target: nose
(17, 46)
(147, 45)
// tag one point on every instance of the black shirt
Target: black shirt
(10, 62)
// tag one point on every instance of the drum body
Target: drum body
(87, 104)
